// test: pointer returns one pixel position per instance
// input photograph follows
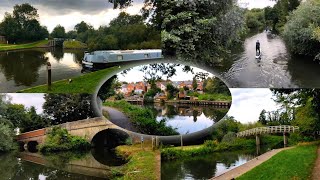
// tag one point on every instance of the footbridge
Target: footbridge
(283, 129)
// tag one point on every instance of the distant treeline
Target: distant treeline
(124, 32)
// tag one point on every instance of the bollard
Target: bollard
(49, 75)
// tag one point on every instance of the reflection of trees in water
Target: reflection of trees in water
(22, 66)
(201, 167)
(77, 54)
(215, 114)
(57, 53)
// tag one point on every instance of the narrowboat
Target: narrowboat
(102, 59)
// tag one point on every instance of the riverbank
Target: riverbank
(10, 47)
(238, 171)
(295, 163)
(144, 164)
(86, 83)
(74, 45)
(210, 146)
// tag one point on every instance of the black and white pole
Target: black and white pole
(49, 75)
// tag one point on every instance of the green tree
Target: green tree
(194, 83)
(171, 91)
(61, 108)
(6, 137)
(58, 32)
(301, 28)
(82, 27)
(16, 113)
(33, 121)
(262, 117)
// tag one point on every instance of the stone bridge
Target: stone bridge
(284, 129)
(88, 128)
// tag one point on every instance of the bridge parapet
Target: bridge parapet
(268, 130)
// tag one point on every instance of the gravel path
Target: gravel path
(120, 119)
(238, 171)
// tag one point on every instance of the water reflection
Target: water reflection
(187, 118)
(27, 68)
(67, 165)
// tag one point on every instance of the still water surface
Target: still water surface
(93, 165)
(28, 68)
(187, 118)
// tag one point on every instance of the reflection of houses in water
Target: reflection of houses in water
(165, 110)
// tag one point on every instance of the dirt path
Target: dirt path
(316, 169)
(120, 119)
(238, 171)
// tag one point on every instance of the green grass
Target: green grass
(294, 164)
(74, 45)
(143, 164)
(214, 97)
(86, 83)
(8, 47)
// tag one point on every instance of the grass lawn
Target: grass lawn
(143, 164)
(86, 83)
(296, 163)
(7, 47)
(74, 45)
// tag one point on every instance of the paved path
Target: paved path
(119, 119)
(316, 169)
(238, 171)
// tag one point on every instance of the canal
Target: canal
(187, 118)
(27, 68)
(94, 165)
(207, 166)
(277, 67)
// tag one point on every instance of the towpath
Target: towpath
(316, 169)
(119, 119)
(238, 171)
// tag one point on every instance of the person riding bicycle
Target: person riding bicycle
(258, 46)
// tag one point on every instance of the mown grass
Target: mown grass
(143, 163)
(214, 97)
(74, 45)
(294, 164)
(8, 47)
(86, 83)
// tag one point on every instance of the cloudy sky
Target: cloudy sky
(68, 13)
(95, 12)
(246, 103)
(28, 100)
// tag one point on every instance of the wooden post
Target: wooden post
(257, 140)
(285, 139)
(49, 75)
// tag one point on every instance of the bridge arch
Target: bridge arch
(32, 146)
(110, 138)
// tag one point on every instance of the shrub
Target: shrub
(6, 137)
(59, 139)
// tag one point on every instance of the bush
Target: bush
(143, 119)
(60, 140)
(6, 137)
(301, 29)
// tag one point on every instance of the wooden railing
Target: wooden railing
(268, 130)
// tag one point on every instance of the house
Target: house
(160, 97)
(3, 40)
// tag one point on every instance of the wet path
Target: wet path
(276, 68)
(119, 119)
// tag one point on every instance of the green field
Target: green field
(8, 47)
(74, 45)
(86, 83)
(294, 163)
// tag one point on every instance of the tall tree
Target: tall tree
(262, 117)
(194, 83)
(82, 27)
(58, 32)
(61, 108)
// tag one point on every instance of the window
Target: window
(146, 55)
(120, 57)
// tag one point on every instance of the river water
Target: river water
(207, 166)
(28, 68)
(277, 67)
(93, 165)
(187, 118)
